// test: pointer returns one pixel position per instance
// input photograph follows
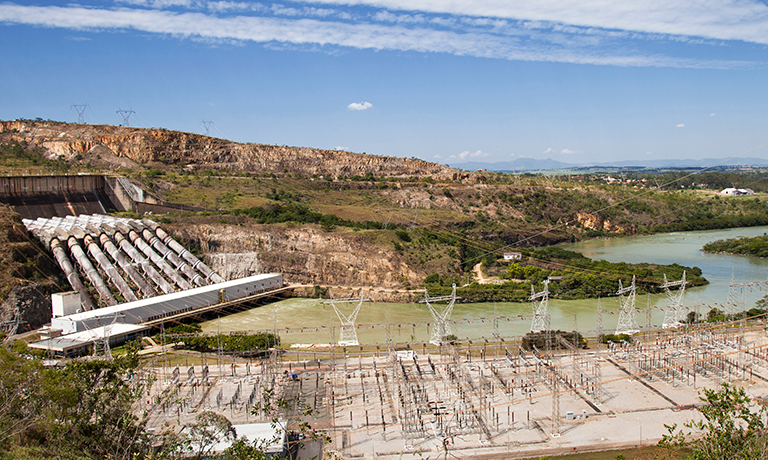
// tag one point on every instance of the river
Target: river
(475, 320)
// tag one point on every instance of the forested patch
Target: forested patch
(756, 246)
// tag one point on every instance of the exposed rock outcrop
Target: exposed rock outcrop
(595, 222)
(145, 146)
(302, 254)
(33, 303)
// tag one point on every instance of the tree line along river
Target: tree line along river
(476, 320)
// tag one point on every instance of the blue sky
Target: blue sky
(445, 81)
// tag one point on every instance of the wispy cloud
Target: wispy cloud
(569, 151)
(537, 32)
(681, 125)
(712, 114)
(550, 150)
(745, 20)
(360, 106)
(467, 154)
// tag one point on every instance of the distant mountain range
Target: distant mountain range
(533, 164)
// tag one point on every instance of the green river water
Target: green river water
(475, 320)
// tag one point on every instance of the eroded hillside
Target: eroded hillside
(195, 151)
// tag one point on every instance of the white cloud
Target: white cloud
(160, 4)
(467, 154)
(477, 154)
(532, 40)
(712, 114)
(569, 151)
(681, 125)
(745, 20)
(550, 150)
(360, 106)
(340, 148)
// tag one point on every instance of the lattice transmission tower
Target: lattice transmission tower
(347, 331)
(441, 317)
(80, 109)
(674, 314)
(627, 312)
(207, 126)
(126, 114)
(101, 346)
(540, 306)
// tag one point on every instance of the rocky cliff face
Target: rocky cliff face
(144, 146)
(302, 254)
(595, 222)
(27, 275)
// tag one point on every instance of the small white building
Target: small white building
(731, 191)
(512, 256)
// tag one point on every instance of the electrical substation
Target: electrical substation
(491, 399)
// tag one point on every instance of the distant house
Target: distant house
(512, 256)
(737, 191)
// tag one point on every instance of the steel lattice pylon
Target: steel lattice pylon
(627, 312)
(347, 331)
(442, 318)
(540, 320)
(674, 314)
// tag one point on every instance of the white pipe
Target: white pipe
(98, 283)
(189, 257)
(109, 269)
(147, 267)
(158, 261)
(182, 266)
(118, 256)
(61, 257)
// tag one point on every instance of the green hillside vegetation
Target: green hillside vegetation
(756, 246)
(574, 277)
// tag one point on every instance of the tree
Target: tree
(734, 428)
(199, 438)
(83, 410)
